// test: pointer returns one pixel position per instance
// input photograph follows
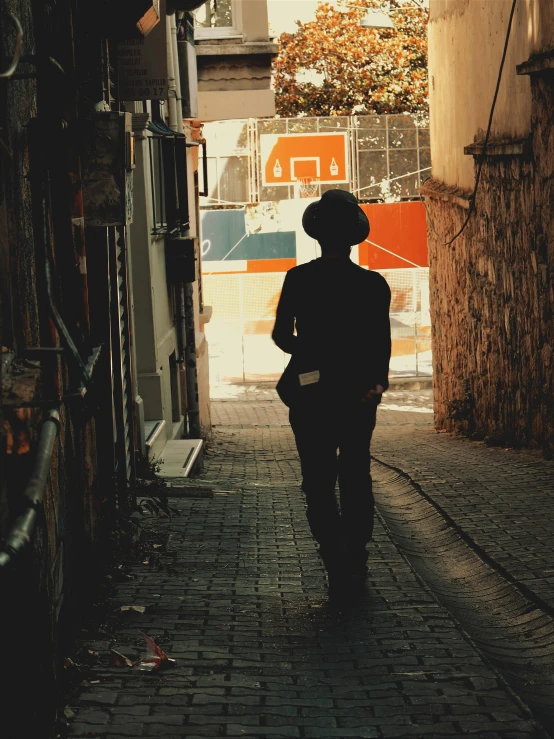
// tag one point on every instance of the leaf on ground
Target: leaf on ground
(120, 660)
(158, 660)
(136, 609)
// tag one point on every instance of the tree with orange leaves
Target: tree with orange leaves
(333, 66)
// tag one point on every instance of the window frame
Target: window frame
(234, 31)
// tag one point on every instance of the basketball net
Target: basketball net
(307, 187)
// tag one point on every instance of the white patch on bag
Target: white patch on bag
(309, 378)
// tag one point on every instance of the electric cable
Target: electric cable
(485, 143)
(7, 73)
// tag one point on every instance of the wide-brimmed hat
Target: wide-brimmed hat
(336, 216)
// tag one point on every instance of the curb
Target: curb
(395, 383)
(512, 630)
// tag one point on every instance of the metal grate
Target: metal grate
(244, 305)
(168, 184)
(121, 362)
(389, 156)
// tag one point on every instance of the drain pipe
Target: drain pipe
(193, 407)
(22, 529)
(174, 122)
(186, 297)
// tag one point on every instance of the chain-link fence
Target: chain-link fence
(388, 156)
(239, 334)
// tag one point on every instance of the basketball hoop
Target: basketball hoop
(308, 187)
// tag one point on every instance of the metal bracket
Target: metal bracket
(35, 60)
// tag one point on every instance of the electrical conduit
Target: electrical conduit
(22, 529)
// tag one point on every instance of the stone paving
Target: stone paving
(503, 499)
(232, 588)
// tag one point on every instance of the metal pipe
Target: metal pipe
(181, 328)
(205, 192)
(193, 407)
(171, 83)
(176, 71)
(22, 528)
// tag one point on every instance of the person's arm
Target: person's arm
(382, 336)
(381, 340)
(283, 331)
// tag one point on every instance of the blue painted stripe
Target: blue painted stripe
(223, 230)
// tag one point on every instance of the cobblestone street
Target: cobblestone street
(234, 591)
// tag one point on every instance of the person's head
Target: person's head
(336, 221)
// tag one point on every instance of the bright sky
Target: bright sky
(283, 13)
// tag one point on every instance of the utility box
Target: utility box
(108, 163)
(180, 260)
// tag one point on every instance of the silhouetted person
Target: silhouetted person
(334, 381)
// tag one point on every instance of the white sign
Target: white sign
(142, 64)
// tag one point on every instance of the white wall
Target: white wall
(255, 25)
(466, 39)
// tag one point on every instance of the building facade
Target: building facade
(492, 294)
(171, 360)
(234, 53)
(103, 355)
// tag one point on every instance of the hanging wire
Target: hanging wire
(389, 179)
(485, 143)
(18, 44)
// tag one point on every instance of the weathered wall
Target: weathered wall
(39, 590)
(492, 295)
(466, 39)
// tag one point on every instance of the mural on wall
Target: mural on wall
(246, 253)
(231, 243)
(271, 232)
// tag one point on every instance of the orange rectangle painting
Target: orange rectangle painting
(398, 236)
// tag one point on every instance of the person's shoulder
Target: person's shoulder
(369, 275)
(374, 280)
(301, 270)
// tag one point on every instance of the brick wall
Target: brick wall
(492, 295)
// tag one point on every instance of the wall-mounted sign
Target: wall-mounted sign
(142, 64)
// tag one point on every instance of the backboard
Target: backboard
(288, 158)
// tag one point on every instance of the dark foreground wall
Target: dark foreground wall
(39, 213)
(492, 293)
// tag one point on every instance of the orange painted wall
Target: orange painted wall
(270, 265)
(400, 228)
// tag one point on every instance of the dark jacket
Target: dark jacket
(341, 315)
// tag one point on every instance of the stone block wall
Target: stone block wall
(492, 292)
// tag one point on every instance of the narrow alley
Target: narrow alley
(231, 587)
(202, 200)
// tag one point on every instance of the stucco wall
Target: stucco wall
(466, 39)
(255, 24)
(227, 105)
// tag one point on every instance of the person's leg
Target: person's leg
(316, 443)
(356, 496)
